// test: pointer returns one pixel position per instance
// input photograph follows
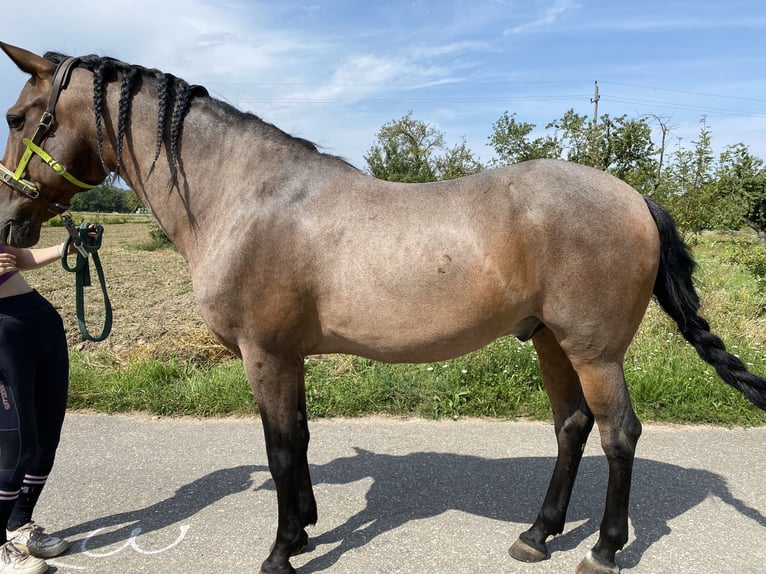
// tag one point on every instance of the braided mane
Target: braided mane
(174, 100)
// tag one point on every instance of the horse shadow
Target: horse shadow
(187, 501)
(426, 484)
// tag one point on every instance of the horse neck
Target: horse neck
(225, 160)
(184, 203)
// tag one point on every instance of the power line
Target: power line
(689, 92)
(689, 107)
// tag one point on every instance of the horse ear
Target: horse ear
(28, 62)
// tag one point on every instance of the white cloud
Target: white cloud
(550, 15)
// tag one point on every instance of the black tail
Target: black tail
(677, 296)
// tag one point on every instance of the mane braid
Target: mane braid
(126, 97)
(163, 81)
(184, 94)
(99, 89)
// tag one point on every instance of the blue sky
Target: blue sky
(334, 72)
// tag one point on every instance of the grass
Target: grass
(667, 381)
(103, 218)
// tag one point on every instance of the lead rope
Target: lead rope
(86, 246)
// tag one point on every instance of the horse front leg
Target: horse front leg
(278, 384)
(573, 422)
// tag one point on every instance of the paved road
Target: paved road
(140, 495)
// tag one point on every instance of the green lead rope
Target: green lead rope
(86, 245)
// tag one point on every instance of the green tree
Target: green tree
(511, 142)
(621, 146)
(106, 199)
(691, 181)
(409, 150)
(738, 197)
(405, 151)
(457, 161)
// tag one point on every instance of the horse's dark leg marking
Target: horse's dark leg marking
(573, 422)
(279, 388)
(307, 506)
(604, 388)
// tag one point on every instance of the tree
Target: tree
(106, 199)
(691, 179)
(754, 189)
(510, 140)
(738, 197)
(407, 150)
(404, 151)
(620, 145)
(458, 161)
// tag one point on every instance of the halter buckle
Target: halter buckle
(46, 121)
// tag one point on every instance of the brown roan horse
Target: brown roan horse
(294, 252)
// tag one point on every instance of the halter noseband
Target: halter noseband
(14, 179)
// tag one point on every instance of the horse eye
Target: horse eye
(15, 122)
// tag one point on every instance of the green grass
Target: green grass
(102, 218)
(668, 382)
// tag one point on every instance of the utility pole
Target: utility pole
(594, 100)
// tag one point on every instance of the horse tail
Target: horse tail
(675, 292)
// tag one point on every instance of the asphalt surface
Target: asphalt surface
(135, 494)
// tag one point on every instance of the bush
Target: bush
(159, 239)
(752, 256)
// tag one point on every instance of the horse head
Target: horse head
(51, 153)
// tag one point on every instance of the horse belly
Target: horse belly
(419, 322)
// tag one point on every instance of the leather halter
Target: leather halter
(14, 179)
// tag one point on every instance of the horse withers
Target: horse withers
(327, 259)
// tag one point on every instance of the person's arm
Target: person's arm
(27, 259)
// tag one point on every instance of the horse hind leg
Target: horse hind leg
(573, 422)
(605, 391)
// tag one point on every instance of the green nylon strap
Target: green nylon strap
(82, 278)
(52, 163)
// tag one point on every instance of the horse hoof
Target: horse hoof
(591, 565)
(523, 552)
(288, 570)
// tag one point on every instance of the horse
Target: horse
(295, 252)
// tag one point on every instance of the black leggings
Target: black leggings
(34, 381)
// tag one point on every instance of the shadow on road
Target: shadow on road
(425, 484)
(186, 502)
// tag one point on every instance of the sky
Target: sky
(334, 72)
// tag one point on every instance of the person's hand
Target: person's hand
(7, 263)
(92, 233)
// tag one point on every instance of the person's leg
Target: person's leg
(17, 427)
(50, 395)
(51, 388)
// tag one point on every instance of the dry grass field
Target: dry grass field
(153, 305)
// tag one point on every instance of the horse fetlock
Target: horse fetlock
(300, 545)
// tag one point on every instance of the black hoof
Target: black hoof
(285, 569)
(592, 565)
(526, 552)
